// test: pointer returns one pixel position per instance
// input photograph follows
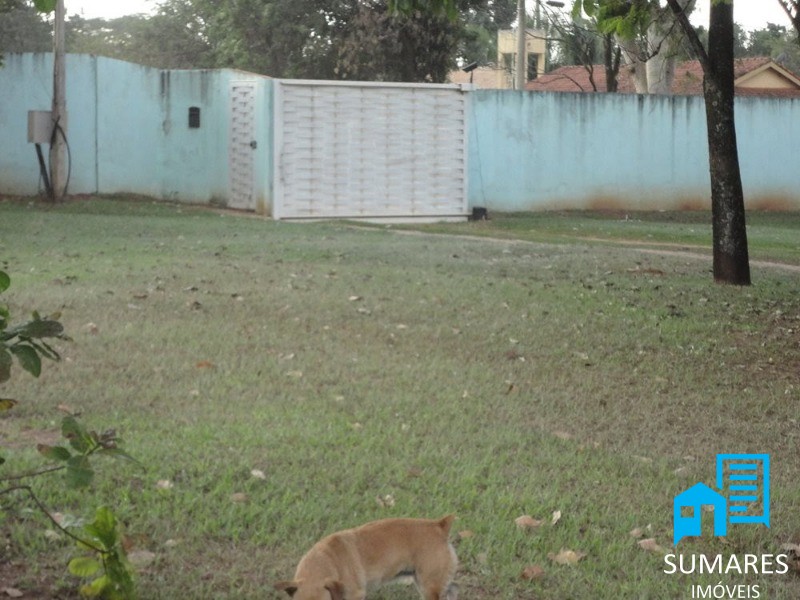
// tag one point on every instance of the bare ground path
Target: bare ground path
(658, 248)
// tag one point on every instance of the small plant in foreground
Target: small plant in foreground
(113, 576)
(106, 558)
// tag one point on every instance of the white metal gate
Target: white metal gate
(242, 146)
(369, 150)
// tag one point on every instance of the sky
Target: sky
(750, 14)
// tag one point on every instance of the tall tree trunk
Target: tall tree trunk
(660, 65)
(635, 64)
(611, 57)
(731, 261)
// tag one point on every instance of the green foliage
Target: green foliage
(84, 443)
(106, 563)
(25, 343)
(23, 29)
(374, 39)
(775, 41)
(625, 18)
(45, 6)
(167, 40)
(377, 45)
(448, 8)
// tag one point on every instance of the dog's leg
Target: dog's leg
(435, 579)
(435, 583)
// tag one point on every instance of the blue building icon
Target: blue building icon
(742, 496)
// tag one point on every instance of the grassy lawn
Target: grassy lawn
(772, 235)
(368, 373)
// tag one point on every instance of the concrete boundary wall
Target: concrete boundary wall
(536, 150)
(129, 133)
(128, 128)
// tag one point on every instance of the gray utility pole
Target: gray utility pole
(522, 59)
(58, 166)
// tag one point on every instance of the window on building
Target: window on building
(508, 62)
(533, 66)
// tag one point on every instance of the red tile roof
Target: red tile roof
(688, 79)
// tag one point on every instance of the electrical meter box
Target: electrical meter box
(40, 127)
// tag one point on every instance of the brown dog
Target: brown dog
(345, 565)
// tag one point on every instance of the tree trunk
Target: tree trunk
(660, 65)
(634, 63)
(612, 54)
(731, 261)
(792, 9)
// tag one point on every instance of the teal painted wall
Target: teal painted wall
(128, 128)
(128, 133)
(531, 150)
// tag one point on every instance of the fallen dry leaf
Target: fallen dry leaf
(386, 501)
(650, 545)
(791, 548)
(12, 592)
(566, 557)
(258, 474)
(532, 573)
(556, 517)
(205, 364)
(466, 534)
(636, 532)
(164, 484)
(527, 522)
(239, 497)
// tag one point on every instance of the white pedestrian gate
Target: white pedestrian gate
(369, 150)
(242, 146)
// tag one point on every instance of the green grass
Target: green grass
(772, 235)
(488, 378)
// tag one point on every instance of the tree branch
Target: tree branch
(792, 5)
(32, 473)
(43, 508)
(683, 19)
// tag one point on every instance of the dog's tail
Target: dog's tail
(446, 522)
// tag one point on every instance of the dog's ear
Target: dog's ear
(290, 587)
(446, 522)
(336, 589)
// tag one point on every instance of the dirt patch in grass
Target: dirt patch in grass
(26, 438)
(17, 580)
